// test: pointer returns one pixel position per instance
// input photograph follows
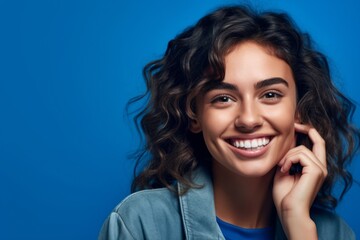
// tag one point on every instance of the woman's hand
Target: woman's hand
(294, 194)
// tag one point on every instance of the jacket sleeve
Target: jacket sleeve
(346, 232)
(331, 226)
(114, 228)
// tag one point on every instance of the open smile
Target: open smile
(250, 148)
(250, 144)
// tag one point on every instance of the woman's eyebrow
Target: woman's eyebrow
(271, 81)
(218, 85)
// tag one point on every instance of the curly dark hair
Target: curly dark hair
(196, 56)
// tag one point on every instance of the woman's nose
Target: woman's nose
(249, 118)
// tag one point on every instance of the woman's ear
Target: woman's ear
(195, 126)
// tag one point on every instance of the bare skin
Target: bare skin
(294, 194)
(248, 205)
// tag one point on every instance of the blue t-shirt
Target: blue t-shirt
(232, 232)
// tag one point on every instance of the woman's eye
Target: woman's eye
(272, 95)
(222, 99)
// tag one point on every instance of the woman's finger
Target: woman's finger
(319, 148)
(304, 157)
(302, 150)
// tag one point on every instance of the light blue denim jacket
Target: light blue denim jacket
(160, 214)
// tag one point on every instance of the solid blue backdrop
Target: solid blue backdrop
(67, 69)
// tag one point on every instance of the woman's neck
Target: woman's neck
(244, 202)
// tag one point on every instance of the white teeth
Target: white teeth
(251, 144)
(254, 143)
(247, 144)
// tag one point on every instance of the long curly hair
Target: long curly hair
(171, 152)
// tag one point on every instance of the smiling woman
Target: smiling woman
(235, 102)
(260, 105)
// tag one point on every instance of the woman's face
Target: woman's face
(247, 120)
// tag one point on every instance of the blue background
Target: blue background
(67, 69)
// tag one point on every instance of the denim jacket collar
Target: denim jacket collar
(197, 209)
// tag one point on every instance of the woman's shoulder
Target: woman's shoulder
(144, 200)
(147, 214)
(330, 225)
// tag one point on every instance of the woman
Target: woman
(246, 135)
